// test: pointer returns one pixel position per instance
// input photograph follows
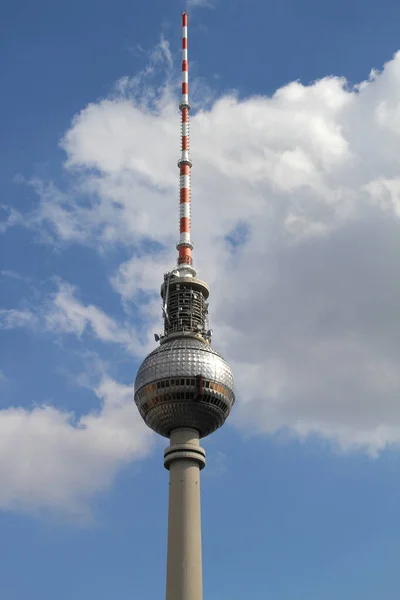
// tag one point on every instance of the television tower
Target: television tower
(184, 389)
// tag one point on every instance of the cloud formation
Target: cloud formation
(11, 318)
(295, 221)
(52, 460)
(65, 314)
(190, 4)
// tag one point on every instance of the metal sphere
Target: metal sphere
(184, 383)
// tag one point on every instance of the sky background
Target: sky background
(296, 199)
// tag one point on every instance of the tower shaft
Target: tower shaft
(184, 458)
(184, 389)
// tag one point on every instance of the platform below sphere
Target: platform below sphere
(184, 383)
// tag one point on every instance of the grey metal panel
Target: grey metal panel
(185, 358)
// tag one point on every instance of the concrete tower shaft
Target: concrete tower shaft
(184, 458)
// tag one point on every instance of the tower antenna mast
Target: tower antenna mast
(185, 245)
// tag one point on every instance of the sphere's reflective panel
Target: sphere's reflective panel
(184, 383)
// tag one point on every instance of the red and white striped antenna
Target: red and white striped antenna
(185, 245)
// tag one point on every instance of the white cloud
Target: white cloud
(50, 460)
(190, 4)
(12, 318)
(138, 282)
(13, 218)
(65, 314)
(12, 275)
(305, 305)
(322, 355)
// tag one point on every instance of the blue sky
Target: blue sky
(301, 492)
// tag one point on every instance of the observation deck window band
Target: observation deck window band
(185, 397)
